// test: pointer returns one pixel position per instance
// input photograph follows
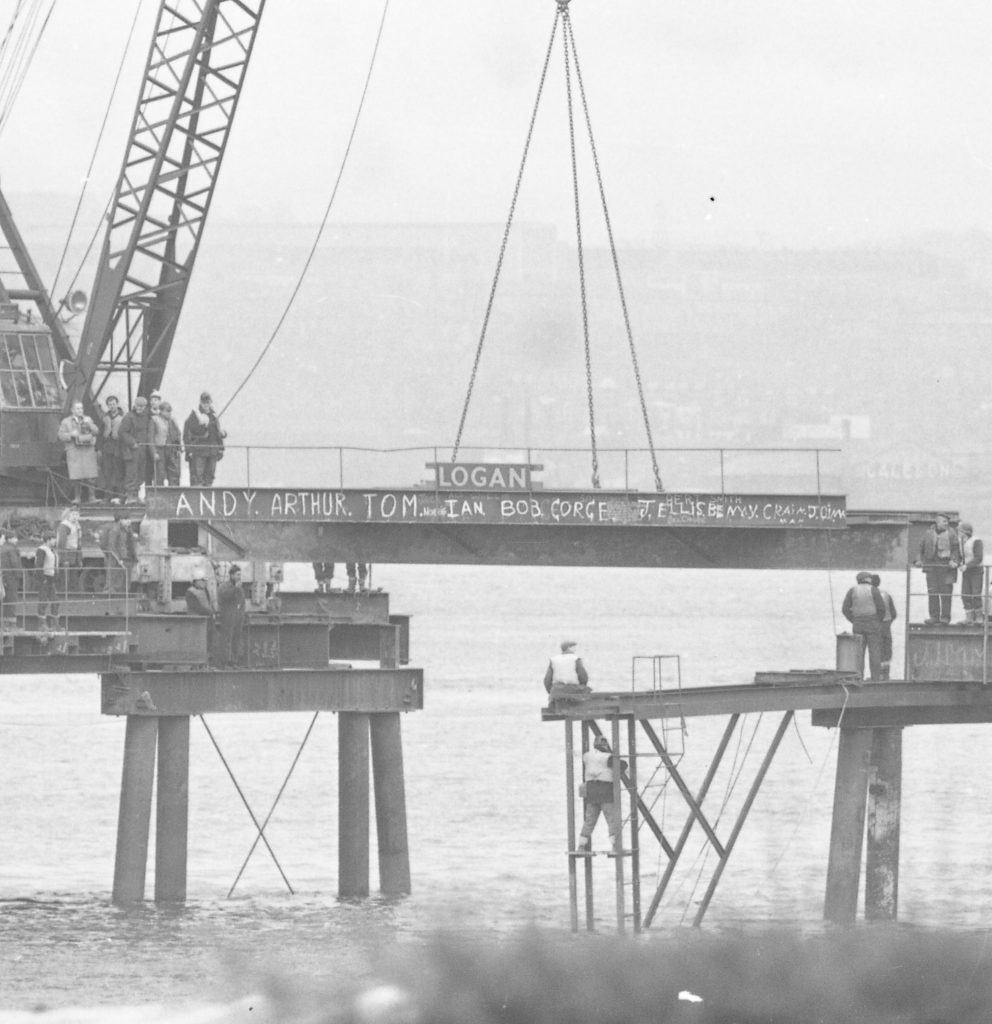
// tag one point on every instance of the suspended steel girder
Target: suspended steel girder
(193, 77)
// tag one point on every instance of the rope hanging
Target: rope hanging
(570, 57)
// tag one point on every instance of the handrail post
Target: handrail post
(340, 467)
(985, 625)
(723, 488)
(626, 469)
(905, 625)
(248, 465)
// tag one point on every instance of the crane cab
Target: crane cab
(32, 395)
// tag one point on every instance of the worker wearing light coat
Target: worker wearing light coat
(565, 672)
(600, 766)
(78, 434)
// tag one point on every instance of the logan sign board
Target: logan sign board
(483, 476)
(552, 508)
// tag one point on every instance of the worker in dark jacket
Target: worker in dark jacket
(940, 556)
(231, 608)
(890, 616)
(972, 557)
(111, 454)
(119, 553)
(134, 435)
(203, 439)
(11, 573)
(864, 608)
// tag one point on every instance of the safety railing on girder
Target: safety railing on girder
(75, 609)
(715, 470)
(938, 643)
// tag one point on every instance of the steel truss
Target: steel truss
(641, 813)
(193, 77)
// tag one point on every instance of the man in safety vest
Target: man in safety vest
(599, 765)
(565, 673)
(865, 609)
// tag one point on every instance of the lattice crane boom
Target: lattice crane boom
(192, 84)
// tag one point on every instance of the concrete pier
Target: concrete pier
(390, 803)
(353, 805)
(134, 816)
(172, 817)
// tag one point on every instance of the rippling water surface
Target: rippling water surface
(485, 794)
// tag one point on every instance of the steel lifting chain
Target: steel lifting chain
(565, 35)
(570, 39)
(506, 233)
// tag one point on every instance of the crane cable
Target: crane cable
(10, 29)
(96, 149)
(21, 62)
(565, 34)
(506, 238)
(324, 219)
(570, 57)
(616, 261)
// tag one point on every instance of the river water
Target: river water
(485, 794)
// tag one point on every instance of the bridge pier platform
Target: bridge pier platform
(158, 707)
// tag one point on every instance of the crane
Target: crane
(194, 72)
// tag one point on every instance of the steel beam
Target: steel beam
(742, 817)
(202, 693)
(871, 543)
(954, 700)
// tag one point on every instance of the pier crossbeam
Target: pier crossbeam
(261, 690)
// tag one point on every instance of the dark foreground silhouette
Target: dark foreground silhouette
(864, 976)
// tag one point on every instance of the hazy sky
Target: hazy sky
(810, 124)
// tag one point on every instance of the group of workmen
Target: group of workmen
(141, 447)
(944, 550)
(357, 572)
(58, 559)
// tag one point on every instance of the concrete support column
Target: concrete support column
(172, 815)
(847, 827)
(390, 802)
(353, 804)
(134, 816)
(882, 849)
